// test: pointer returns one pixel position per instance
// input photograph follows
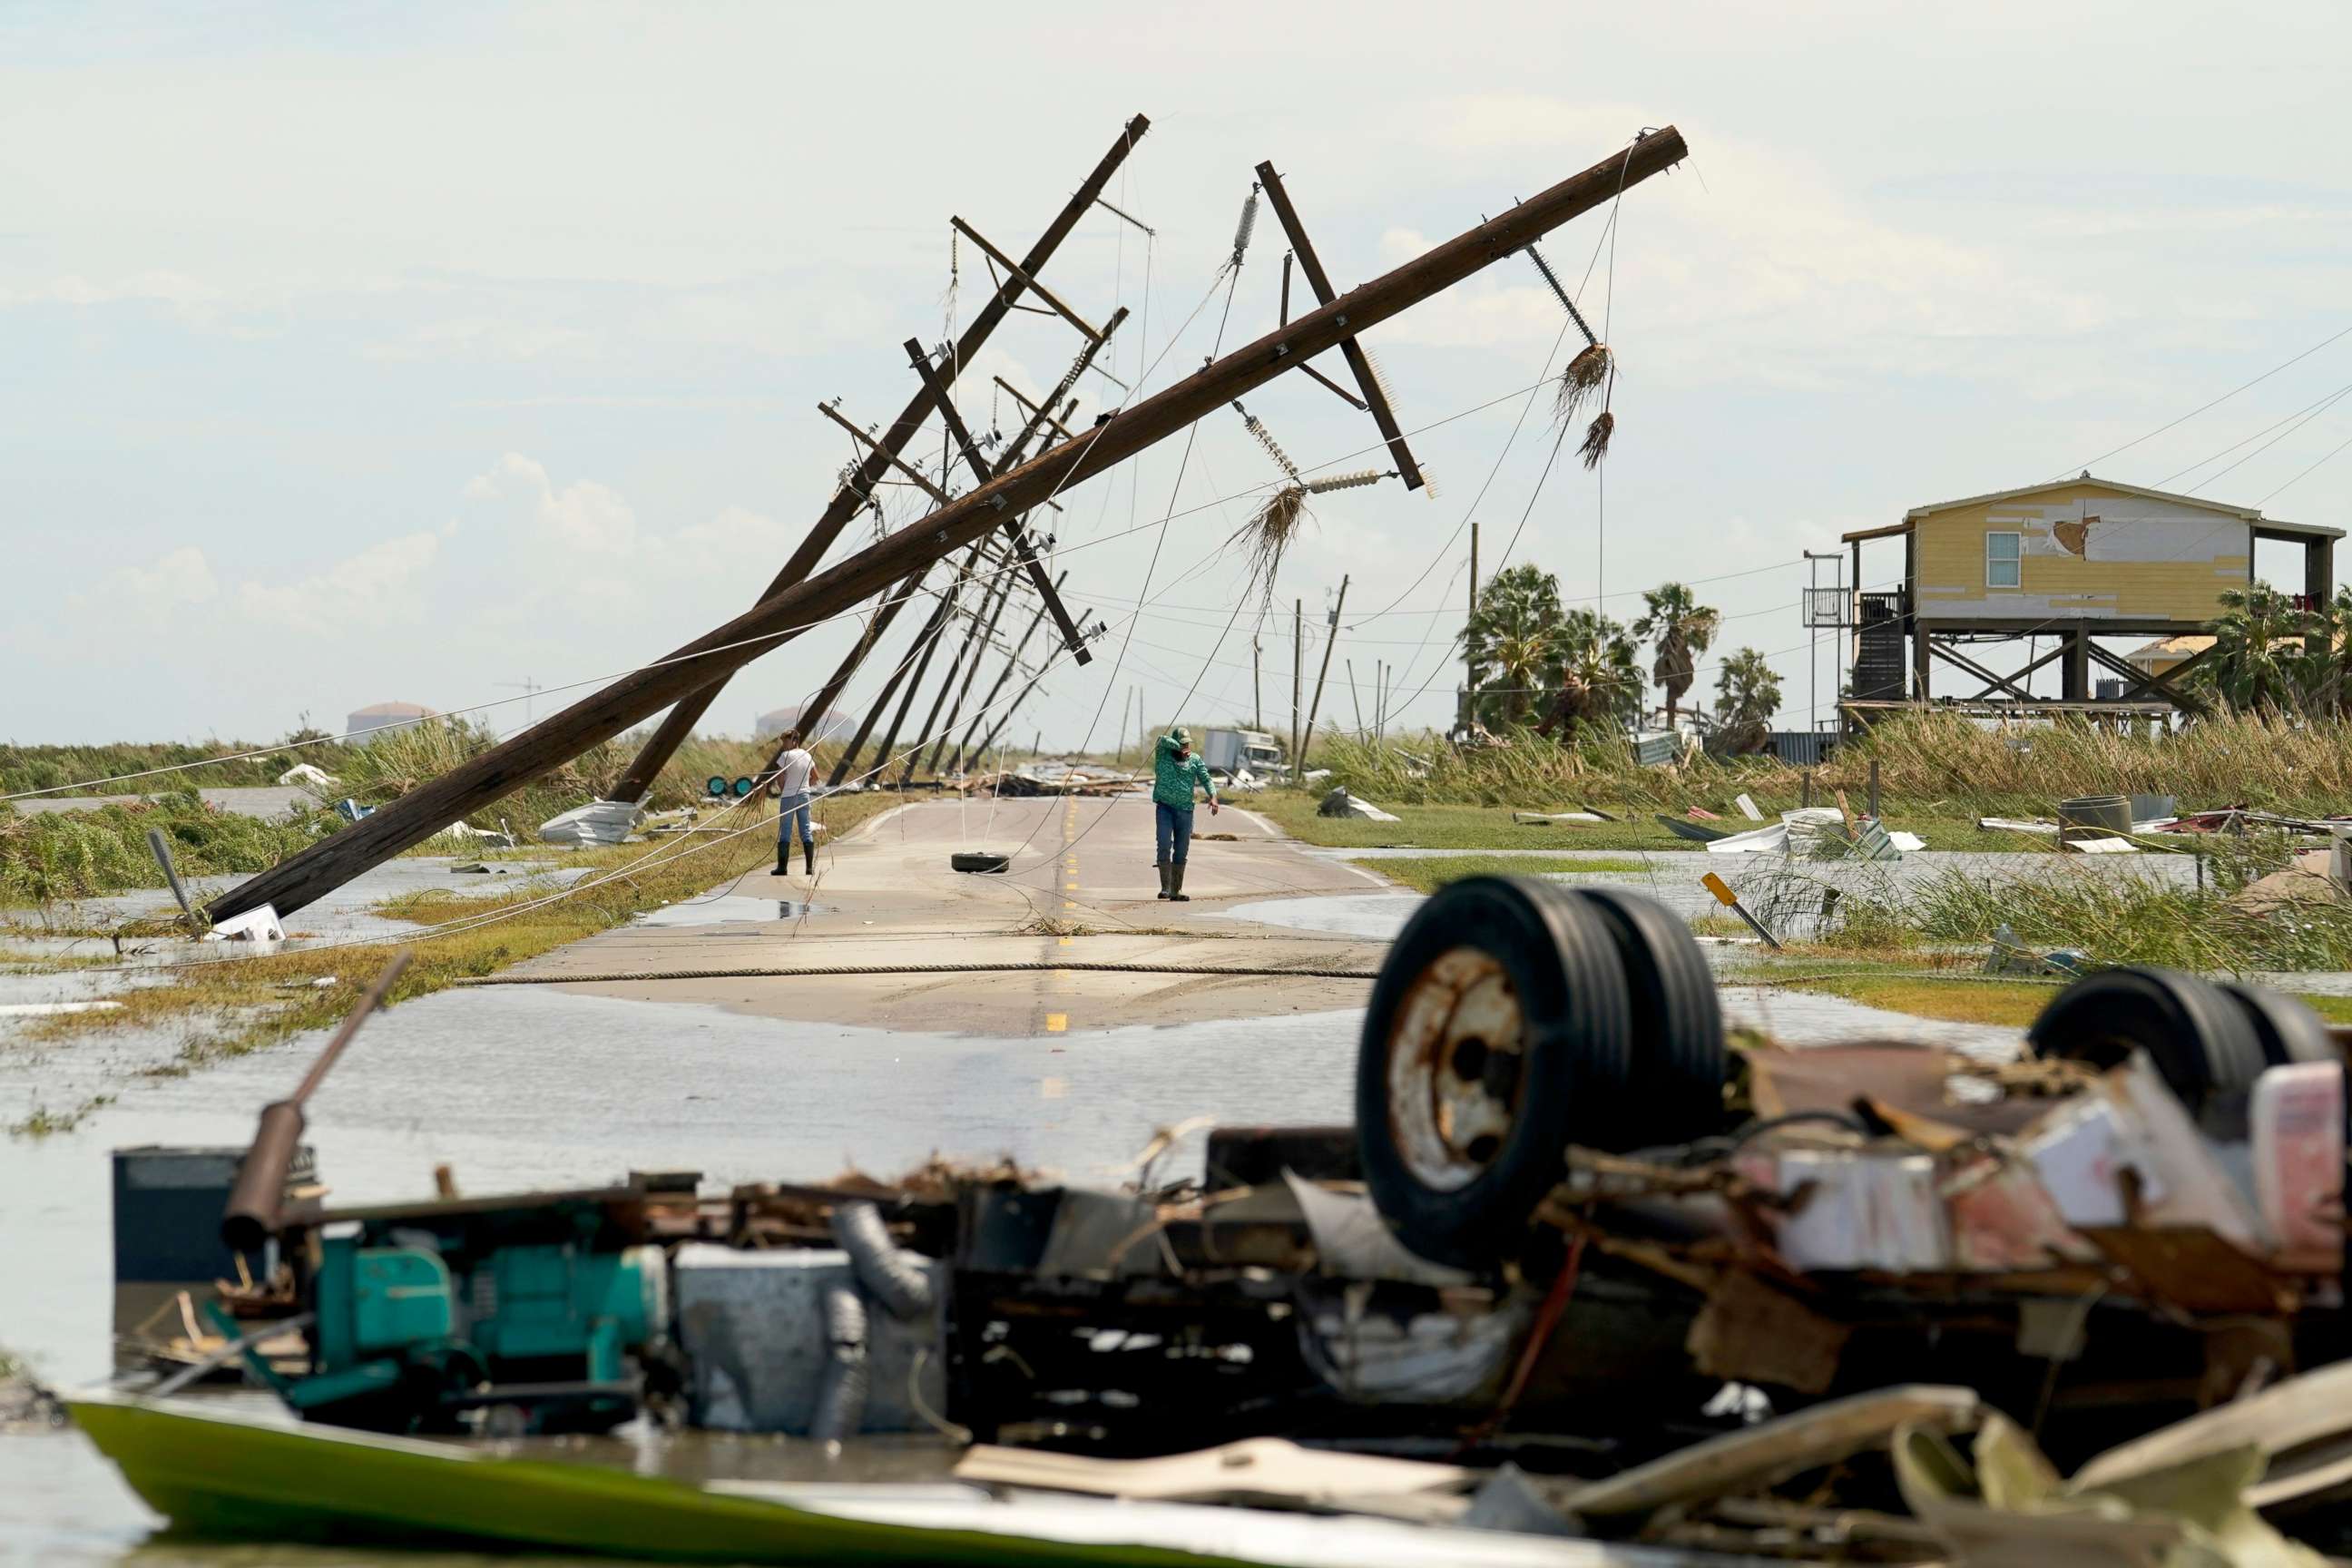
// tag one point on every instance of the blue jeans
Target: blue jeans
(1171, 829)
(792, 808)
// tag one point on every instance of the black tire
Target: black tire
(2199, 1039)
(2288, 1030)
(1675, 1082)
(1548, 955)
(977, 860)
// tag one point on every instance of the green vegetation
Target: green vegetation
(1491, 827)
(1679, 629)
(1428, 875)
(2111, 915)
(81, 854)
(48, 767)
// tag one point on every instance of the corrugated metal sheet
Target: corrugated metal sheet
(1801, 748)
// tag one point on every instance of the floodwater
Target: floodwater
(577, 1091)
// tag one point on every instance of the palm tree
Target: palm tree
(1514, 641)
(2260, 662)
(1680, 628)
(2332, 667)
(1599, 683)
(1748, 693)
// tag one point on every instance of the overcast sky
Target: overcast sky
(360, 353)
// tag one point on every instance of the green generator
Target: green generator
(546, 1316)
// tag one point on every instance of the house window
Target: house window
(2000, 561)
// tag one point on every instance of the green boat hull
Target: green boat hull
(223, 1474)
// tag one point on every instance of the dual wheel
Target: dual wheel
(2209, 1040)
(1513, 1018)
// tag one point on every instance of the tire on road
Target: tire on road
(980, 861)
(1498, 1033)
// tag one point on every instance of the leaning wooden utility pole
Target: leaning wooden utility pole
(992, 596)
(1297, 664)
(972, 673)
(852, 496)
(1316, 706)
(1469, 660)
(1003, 679)
(934, 631)
(1015, 706)
(699, 664)
(897, 599)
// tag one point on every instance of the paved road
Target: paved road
(1082, 889)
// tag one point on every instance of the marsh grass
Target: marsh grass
(2111, 915)
(1931, 764)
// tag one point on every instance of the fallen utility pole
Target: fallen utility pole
(852, 496)
(992, 599)
(874, 628)
(1014, 707)
(1320, 281)
(1003, 679)
(971, 672)
(688, 670)
(1013, 530)
(1322, 674)
(929, 640)
(831, 691)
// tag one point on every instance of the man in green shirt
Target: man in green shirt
(1174, 772)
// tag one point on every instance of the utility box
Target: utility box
(752, 1326)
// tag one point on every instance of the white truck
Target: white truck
(1239, 752)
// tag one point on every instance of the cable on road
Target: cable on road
(1025, 966)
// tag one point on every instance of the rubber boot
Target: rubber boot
(1176, 884)
(808, 855)
(783, 858)
(1163, 878)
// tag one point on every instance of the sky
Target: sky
(385, 352)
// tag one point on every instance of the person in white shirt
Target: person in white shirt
(789, 778)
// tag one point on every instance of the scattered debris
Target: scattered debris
(2009, 956)
(309, 776)
(1546, 818)
(598, 822)
(1339, 803)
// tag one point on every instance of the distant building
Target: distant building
(2166, 655)
(384, 715)
(830, 725)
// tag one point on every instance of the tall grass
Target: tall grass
(82, 854)
(1928, 760)
(52, 767)
(2111, 914)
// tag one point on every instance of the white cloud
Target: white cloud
(181, 577)
(362, 589)
(583, 515)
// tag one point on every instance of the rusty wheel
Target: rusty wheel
(1497, 1034)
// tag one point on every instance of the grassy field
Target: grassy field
(1426, 876)
(1460, 826)
(219, 1010)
